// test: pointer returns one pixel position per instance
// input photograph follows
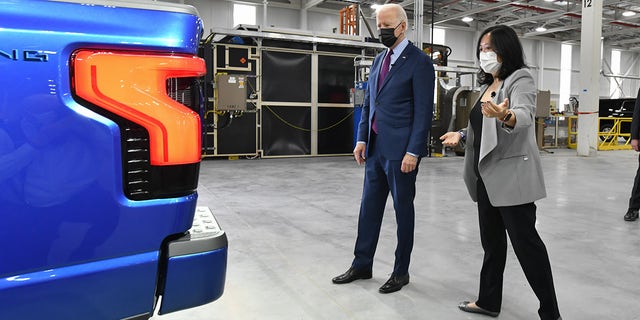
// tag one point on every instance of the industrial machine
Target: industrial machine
(362, 69)
(278, 93)
(453, 97)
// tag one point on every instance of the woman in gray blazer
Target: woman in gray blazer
(503, 174)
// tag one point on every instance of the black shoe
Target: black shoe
(631, 215)
(394, 283)
(351, 275)
(464, 306)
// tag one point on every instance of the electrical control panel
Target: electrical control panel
(231, 92)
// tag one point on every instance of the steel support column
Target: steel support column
(590, 61)
(418, 22)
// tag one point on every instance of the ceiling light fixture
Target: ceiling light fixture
(467, 19)
(541, 29)
(549, 0)
(629, 13)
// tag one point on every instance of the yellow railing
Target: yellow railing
(572, 132)
(613, 139)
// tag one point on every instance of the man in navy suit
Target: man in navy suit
(392, 137)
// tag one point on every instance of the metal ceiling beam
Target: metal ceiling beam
(407, 3)
(472, 12)
(620, 32)
(627, 41)
(553, 30)
(540, 17)
(311, 3)
(552, 15)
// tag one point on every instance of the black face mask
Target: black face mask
(388, 37)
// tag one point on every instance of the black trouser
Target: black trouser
(634, 201)
(519, 223)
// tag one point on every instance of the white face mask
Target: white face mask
(489, 62)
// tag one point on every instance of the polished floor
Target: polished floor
(291, 226)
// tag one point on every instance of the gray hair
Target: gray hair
(400, 13)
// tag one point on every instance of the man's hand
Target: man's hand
(360, 152)
(409, 163)
(634, 144)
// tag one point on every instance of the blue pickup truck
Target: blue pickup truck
(100, 144)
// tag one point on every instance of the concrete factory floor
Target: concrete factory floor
(291, 224)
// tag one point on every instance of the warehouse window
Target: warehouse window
(614, 87)
(565, 76)
(438, 36)
(244, 14)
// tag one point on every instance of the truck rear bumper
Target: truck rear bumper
(196, 266)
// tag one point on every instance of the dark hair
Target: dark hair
(506, 44)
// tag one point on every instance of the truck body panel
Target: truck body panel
(72, 239)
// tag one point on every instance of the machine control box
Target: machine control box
(231, 92)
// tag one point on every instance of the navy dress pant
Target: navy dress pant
(383, 176)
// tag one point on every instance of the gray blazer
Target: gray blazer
(509, 158)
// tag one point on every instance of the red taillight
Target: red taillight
(133, 86)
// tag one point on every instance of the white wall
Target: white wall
(214, 14)
(548, 61)
(630, 62)
(324, 22)
(463, 47)
(575, 71)
(281, 18)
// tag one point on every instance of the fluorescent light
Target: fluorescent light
(561, 3)
(375, 6)
(467, 19)
(628, 13)
(541, 29)
(549, 0)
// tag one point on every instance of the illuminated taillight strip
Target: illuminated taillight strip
(133, 86)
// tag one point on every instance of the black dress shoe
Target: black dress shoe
(394, 283)
(464, 306)
(351, 275)
(631, 215)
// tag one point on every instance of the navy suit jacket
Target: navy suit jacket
(403, 106)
